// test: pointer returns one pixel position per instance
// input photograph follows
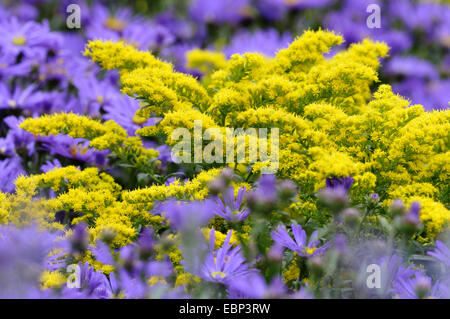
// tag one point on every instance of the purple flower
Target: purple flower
(102, 253)
(30, 38)
(21, 139)
(255, 286)
(24, 255)
(265, 191)
(146, 243)
(180, 28)
(418, 287)
(10, 169)
(187, 215)
(123, 111)
(9, 67)
(411, 66)
(413, 215)
(398, 41)
(344, 183)
(19, 98)
(95, 94)
(442, 253)
(74, 148)
(308, 4)
(123, 25)
(374, 197)
(176, 54)
(272, 9)
(300, 244)
(266, 42)
(224, 264)
(93, 284)
(220, 11)
(231, 208)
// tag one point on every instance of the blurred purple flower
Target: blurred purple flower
(24, 255)
(266, 42)
(441, 252)
(187, 215)
(344, 183)
(231, 208)
(123, 111)
(220, 11)
(74, 148)
(31, 38)
(300, 244)
(225, 264)
(10, 169)
(254, 286)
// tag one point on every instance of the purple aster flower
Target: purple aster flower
(123, 111)
(302, 293)
(49, 102)
(144, 35)
(79, 239)
(176, 54)
(272, 9)
(102, 253)
(93, 284)
(411, 66)
(9, 67)
(309, 4)
(95, 94)
(23, 141)
(50, 165)
(266, 189)
(123, 25)
(344, 183)
(30, 38)
(419, 287)
(415, 16)
(254, 286)
(432, 95)
(10, 169)
(180, 28)
(19, 98)
(165, 155)
(231, 208)
(56, 69)
(74, 148)
(220, 11)
(132, 286)
(23, 11)
(225, 264)
(187, 215)
(107, 21)
(300, 244)
(24, 255)
(340, 246)
(442, 253)
(146, 243)
(335, 194)
(413, 215)
(7, 147)
(398, 41)
(350, 20)
(266, 42)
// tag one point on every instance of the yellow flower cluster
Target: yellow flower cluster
(102, 136)
(330, 124)
(94, 198)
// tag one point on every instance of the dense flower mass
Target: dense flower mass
(112, 185)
